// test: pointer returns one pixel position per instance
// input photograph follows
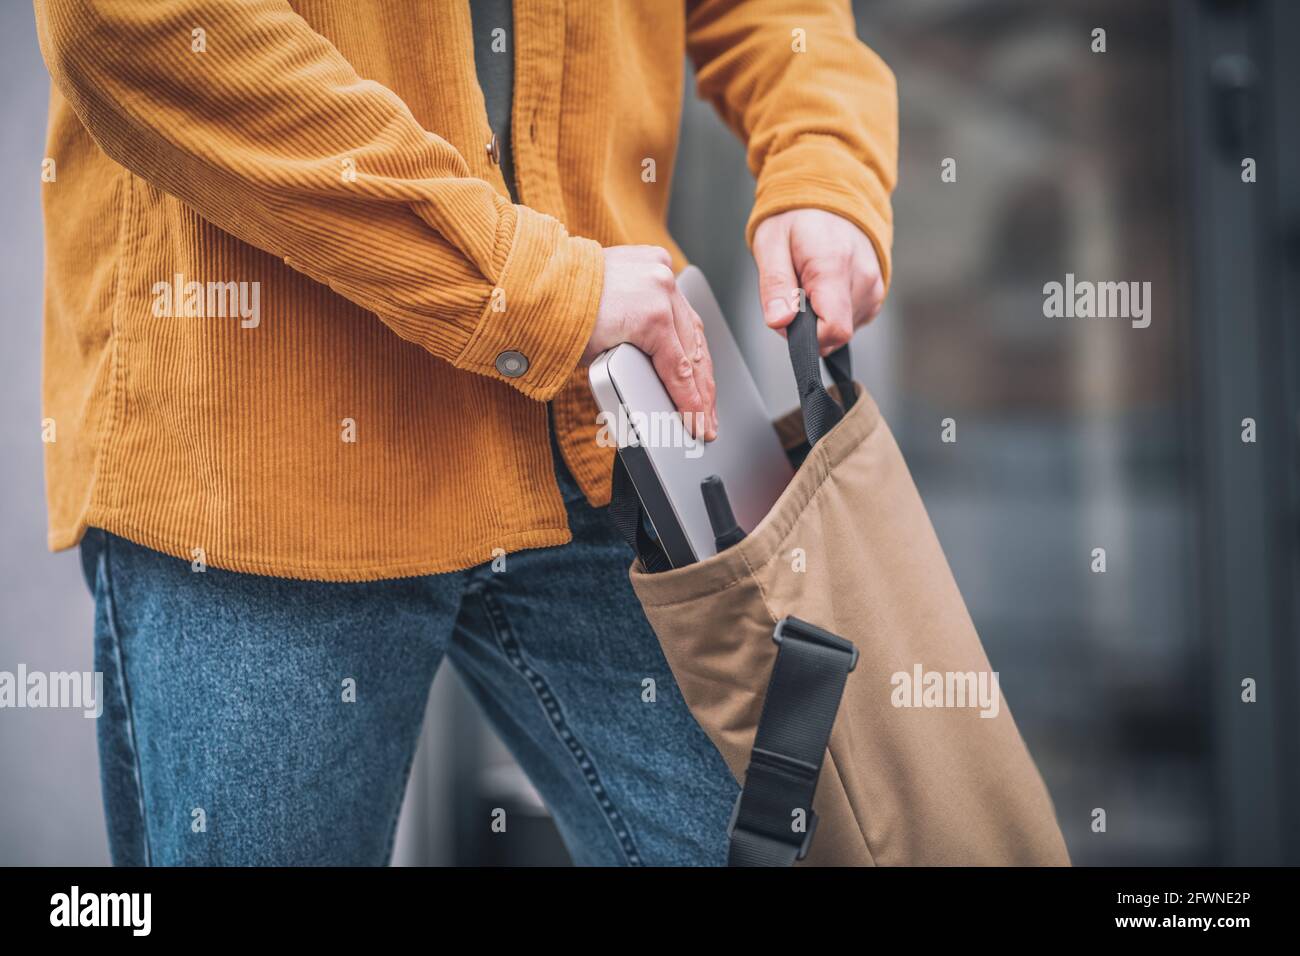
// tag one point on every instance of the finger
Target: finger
(830, 296)
(777, 284)
(684, 325)
(690, 329)
(677, 372)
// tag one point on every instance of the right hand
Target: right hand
(642, 305)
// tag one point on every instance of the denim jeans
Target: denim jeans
(230, 736)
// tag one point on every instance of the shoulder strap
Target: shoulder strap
(803, 697)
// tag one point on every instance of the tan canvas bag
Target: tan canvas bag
(848, 550)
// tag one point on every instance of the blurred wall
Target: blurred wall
(49, 773)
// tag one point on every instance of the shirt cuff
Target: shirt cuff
(538, 320)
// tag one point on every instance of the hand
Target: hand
(831, 259)
(641, 305)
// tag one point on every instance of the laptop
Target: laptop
(666, 463)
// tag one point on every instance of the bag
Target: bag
(830, 621)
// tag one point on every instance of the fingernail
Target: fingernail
(774, 310)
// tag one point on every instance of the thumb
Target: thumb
(777, 285)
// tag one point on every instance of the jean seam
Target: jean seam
(110, 613)
(550, 705)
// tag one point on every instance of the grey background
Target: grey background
(1070, 435)
(49, 785)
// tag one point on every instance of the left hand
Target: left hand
(831, 259)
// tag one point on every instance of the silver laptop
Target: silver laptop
(665, 462)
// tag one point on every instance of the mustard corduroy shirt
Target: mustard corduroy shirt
(285, 281)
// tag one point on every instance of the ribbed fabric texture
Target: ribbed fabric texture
(327, 161)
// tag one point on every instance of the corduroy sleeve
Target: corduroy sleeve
(272, 136)
(817, 109)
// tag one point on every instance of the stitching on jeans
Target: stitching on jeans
(551, 707)
(110, 612)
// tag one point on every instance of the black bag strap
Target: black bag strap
(794, 730)
(630, 518)
(821, 412)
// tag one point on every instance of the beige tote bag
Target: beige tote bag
(874, 649)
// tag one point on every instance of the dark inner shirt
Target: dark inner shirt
(496, 73)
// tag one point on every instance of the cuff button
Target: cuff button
(512, 364)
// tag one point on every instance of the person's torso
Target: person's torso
(237, 440)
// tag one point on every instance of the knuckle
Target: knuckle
(652, 321)
(663, 310)
(662, 276)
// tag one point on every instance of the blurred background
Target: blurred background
(1071, 434)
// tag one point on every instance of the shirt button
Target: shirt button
(493, 148)
(512, 364)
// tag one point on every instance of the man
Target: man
(322, 279)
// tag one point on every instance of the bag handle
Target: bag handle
(821, 412)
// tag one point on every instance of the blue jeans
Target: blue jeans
(227, 738)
